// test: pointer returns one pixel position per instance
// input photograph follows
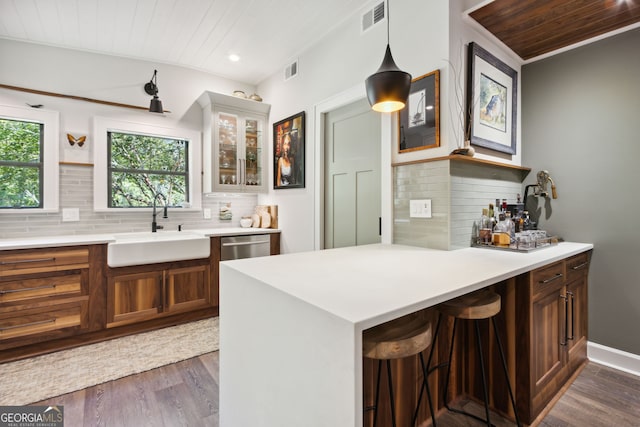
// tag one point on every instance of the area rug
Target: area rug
(42, 377)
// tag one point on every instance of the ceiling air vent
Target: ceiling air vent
(291, 70)
(373, 16)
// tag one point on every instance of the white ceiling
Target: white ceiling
(198, 34)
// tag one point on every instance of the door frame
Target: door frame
(349, 96)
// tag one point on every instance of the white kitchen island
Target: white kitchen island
(291, 325)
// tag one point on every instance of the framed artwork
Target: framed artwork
(75, 148)
(419, 120)
(492, 94)
(288, 152)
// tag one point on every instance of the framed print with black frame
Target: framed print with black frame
(419, 120)
(492, 100)
(288, 152)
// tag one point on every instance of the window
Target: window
(21, 164)
(143, 166)
(134, 161)
(28, 159)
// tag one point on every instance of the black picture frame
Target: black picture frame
(419, 120)
(492, 101)
(291, 132)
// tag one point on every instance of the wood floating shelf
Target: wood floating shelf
(74, 97)
(524, 171)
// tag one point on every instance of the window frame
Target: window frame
(101, 178)
(50, 155)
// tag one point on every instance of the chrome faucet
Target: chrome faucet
(154, 224)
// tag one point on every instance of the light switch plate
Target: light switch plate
(70, 214)
(206, 213)
(420, 208)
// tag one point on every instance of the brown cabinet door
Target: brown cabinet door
(577, 323)
(547, 341)
(134, 297)
(187, 288)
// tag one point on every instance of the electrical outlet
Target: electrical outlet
(206, 213)
(70, 214)
(420, 208)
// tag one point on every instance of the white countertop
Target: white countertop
(368, 285)
(304, 314)
(91, 239)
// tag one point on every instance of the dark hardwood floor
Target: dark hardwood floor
(186, 394)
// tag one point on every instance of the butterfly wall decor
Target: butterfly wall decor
(73, 140)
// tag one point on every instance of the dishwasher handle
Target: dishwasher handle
(255, 242)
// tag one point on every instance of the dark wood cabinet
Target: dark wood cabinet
(44, 294)
(551, 326)
(140, 293)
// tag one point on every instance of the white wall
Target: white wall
(424, 35)
(113, 79)
(463, 30)
(339, 62)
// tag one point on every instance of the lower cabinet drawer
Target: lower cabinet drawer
(22, 290)
(43, 320)
(547, 279)
(27, 261)
(577, 266)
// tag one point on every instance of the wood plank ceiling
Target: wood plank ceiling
(535, 27)
(197, 34)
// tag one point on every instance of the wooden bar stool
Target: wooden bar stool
(397, 339)
(476, 306)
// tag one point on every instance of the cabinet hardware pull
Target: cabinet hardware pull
(41, 322)
(25, 261)
(572, 316)
(37, 288)
(566, 320)
(557, 276)
(578, 267)
(257, 242)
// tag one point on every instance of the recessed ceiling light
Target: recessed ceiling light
(429, 107)
(234, 58)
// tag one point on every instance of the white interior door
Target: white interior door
(352, 176)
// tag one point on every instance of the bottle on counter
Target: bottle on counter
(526, 221)
(484, 228)
(510, 226)
(492, 217)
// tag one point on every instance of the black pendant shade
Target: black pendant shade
(388, 88)
(156, 105)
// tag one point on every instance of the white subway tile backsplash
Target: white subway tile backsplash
(76, 191)
(459, 191)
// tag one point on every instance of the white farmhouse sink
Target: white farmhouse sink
(149, 248)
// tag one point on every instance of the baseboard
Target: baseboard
(614, 358)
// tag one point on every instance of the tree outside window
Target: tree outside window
(21, 164)
(142, 166)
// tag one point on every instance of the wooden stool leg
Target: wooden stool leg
(506, 372)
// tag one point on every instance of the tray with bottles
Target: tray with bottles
(523, 241)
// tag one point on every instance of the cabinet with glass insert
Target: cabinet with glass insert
(235, 133)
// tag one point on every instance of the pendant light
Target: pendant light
(388, 88)
(151, 88)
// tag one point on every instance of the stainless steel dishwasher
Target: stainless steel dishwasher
(249, 246)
